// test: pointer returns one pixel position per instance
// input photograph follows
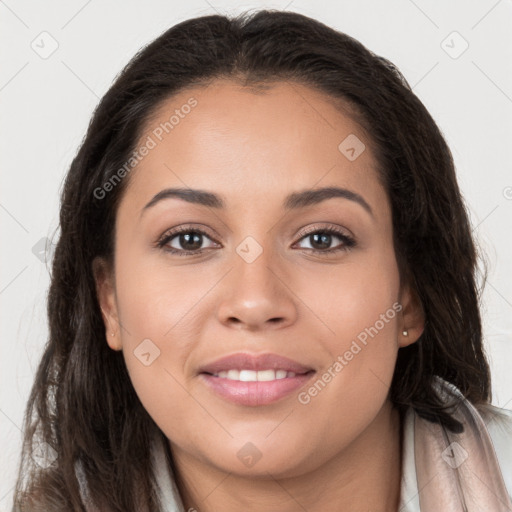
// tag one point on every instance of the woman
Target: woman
(264, 293)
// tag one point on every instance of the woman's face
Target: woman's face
(266, 265)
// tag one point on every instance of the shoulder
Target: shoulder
(499, 425)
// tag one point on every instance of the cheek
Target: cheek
(158, 326)
(359, 311)
(354, 383)
(356, 300)
(153, 298)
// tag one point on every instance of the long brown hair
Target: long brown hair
(82, 403)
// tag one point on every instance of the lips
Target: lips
(248, 380)
(244, 361)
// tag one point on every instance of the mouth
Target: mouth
(250, 380)
(255, 376)
(245, 362)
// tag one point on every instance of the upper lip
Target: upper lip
(245, 361)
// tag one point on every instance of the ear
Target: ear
(412, 319)
(105, 291)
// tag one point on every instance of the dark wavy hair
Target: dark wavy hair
(83, 404)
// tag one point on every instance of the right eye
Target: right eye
(190, 240)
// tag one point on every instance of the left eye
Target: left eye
(322, 238)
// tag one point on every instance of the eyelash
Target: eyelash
(348, 242)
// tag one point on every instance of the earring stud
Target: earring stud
(405, 333)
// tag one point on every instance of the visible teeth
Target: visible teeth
(233, 375)
(253, 376)
(248, 375)
(265, 375)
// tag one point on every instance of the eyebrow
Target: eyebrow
(293, 201)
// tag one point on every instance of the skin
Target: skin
(340, 451)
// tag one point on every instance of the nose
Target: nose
(257, 295)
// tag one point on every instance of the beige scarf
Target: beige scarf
(448, 472)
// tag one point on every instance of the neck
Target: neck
(363, 476)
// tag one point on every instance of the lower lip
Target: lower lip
(255, 393)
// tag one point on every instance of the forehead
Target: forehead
(263, 141)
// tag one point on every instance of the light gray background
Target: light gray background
(46, 104)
